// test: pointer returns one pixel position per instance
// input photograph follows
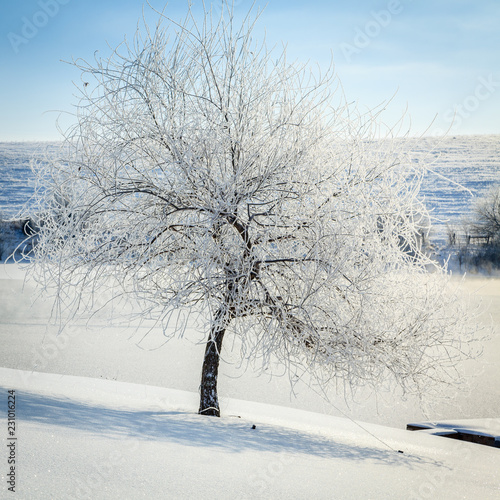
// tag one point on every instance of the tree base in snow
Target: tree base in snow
(212, 412)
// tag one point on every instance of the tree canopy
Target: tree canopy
(209, 174)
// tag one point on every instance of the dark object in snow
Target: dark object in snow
(471, 433)
(254, 427)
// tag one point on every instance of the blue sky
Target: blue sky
(439, 59)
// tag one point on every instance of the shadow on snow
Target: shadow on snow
(227, 433)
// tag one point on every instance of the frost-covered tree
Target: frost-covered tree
(486, 215)
(208, 174)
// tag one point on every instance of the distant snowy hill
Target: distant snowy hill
(471, 163)
(462, 168)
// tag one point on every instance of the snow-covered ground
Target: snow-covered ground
(99, 417)
(123, 353)
(95, 439)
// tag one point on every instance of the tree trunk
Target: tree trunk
(209, 401)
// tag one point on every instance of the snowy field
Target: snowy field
(94, 439)
(102, 413)
(16, 177)
(464, 167)
(101, 417)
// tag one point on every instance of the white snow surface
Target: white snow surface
(87, 438)
(100, 418)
